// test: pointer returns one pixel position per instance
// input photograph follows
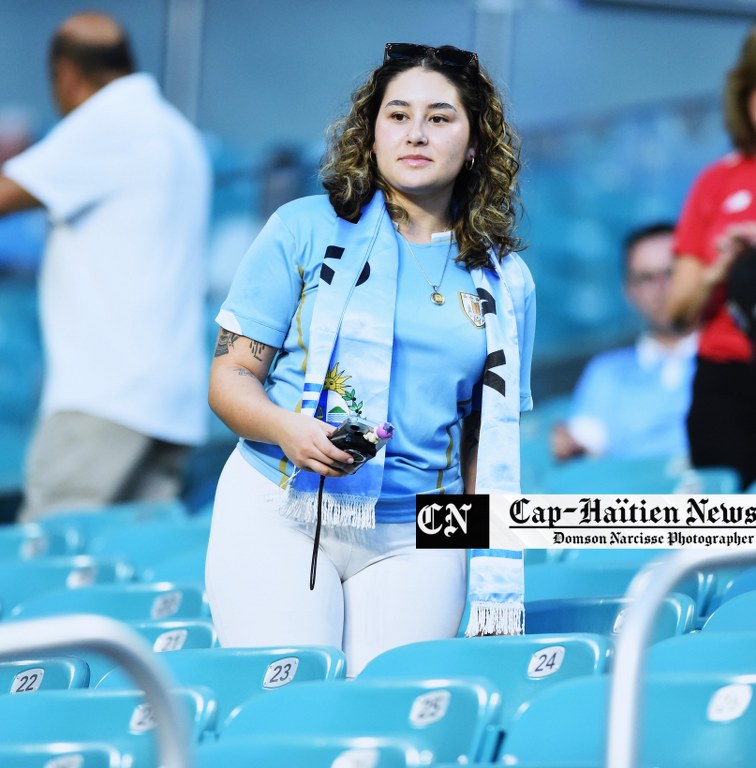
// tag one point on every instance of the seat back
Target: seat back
(62, 755)
(126, 602)
(24, 580)
(736, 614)
(313, 752)
(688, 722)
(237, 674)
(605, 616)
(145, 545)
(705, 652)
(162, 636)
(43, 674)
(121, 718)
(80, 527)
(27, 541)
(520, 667)
(449, 718)
(593, 576)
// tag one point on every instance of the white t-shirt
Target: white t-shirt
(126, 182)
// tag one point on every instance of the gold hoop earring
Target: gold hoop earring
(470, 162)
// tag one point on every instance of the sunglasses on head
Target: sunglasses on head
(446, 54)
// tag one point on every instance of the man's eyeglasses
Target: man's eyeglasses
(448, 55)
(642, 279)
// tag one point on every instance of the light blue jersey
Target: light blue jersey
(632, 402)
(437, 361)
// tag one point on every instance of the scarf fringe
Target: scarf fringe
(488, 618)
(338, 509)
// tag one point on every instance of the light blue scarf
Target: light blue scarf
(350, 352)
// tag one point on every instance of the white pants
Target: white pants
(374, 589)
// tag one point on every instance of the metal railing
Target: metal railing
(127, 649)
(646, 592)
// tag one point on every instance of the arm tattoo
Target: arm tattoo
(225, 343)
(257, 348)
(244, 372)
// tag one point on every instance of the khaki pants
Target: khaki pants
(77, 460)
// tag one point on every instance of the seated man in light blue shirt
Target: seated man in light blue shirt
(632, 402)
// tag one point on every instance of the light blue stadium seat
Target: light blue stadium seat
(25, 580)
(449, 718)
(28, 675)
(121, 718)
(705, 652)
(605, 616)
(292, 751)
(520, 667)
(177, 635)
(738, 613)
(605, 475)
(688, 722)
(82, 527)
(585, 578)
(146, 545)
(187, 567)
(723, 579)
(162, 636)
(62, 755)
(739, 584)
(27, 541)
(237, 674)
(127, 602)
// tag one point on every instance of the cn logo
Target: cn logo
(446, 521)
(435, 518)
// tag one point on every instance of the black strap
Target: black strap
(316, 543)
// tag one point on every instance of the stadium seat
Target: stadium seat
(127, 602)
(605, 475)
(450, 719)
(587, 578)
(313, 752)
(605, 616)
(25, 580)
(705, 652)
(183, 634)
(186, 567)
(28, 541)
(520, 667)
(737, 614)
(122, 719)
(162, 636)
(688, 722)
(62, 755)
(739, 584)
(82, 527)
(237, 674)
(27, 675)
(146, 545)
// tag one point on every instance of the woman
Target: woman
(717, 225)
(398, 298)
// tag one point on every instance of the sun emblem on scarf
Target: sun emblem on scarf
(340, 400)
(335, 380)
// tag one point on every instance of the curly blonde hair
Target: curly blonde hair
(485, 205)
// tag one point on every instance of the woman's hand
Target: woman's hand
(305, 442)
(730, 246)
(238, 396)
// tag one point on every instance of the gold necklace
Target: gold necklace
(436, 296)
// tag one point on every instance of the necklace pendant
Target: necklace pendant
(437, 298)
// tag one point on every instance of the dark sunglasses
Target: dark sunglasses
(446, 54)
